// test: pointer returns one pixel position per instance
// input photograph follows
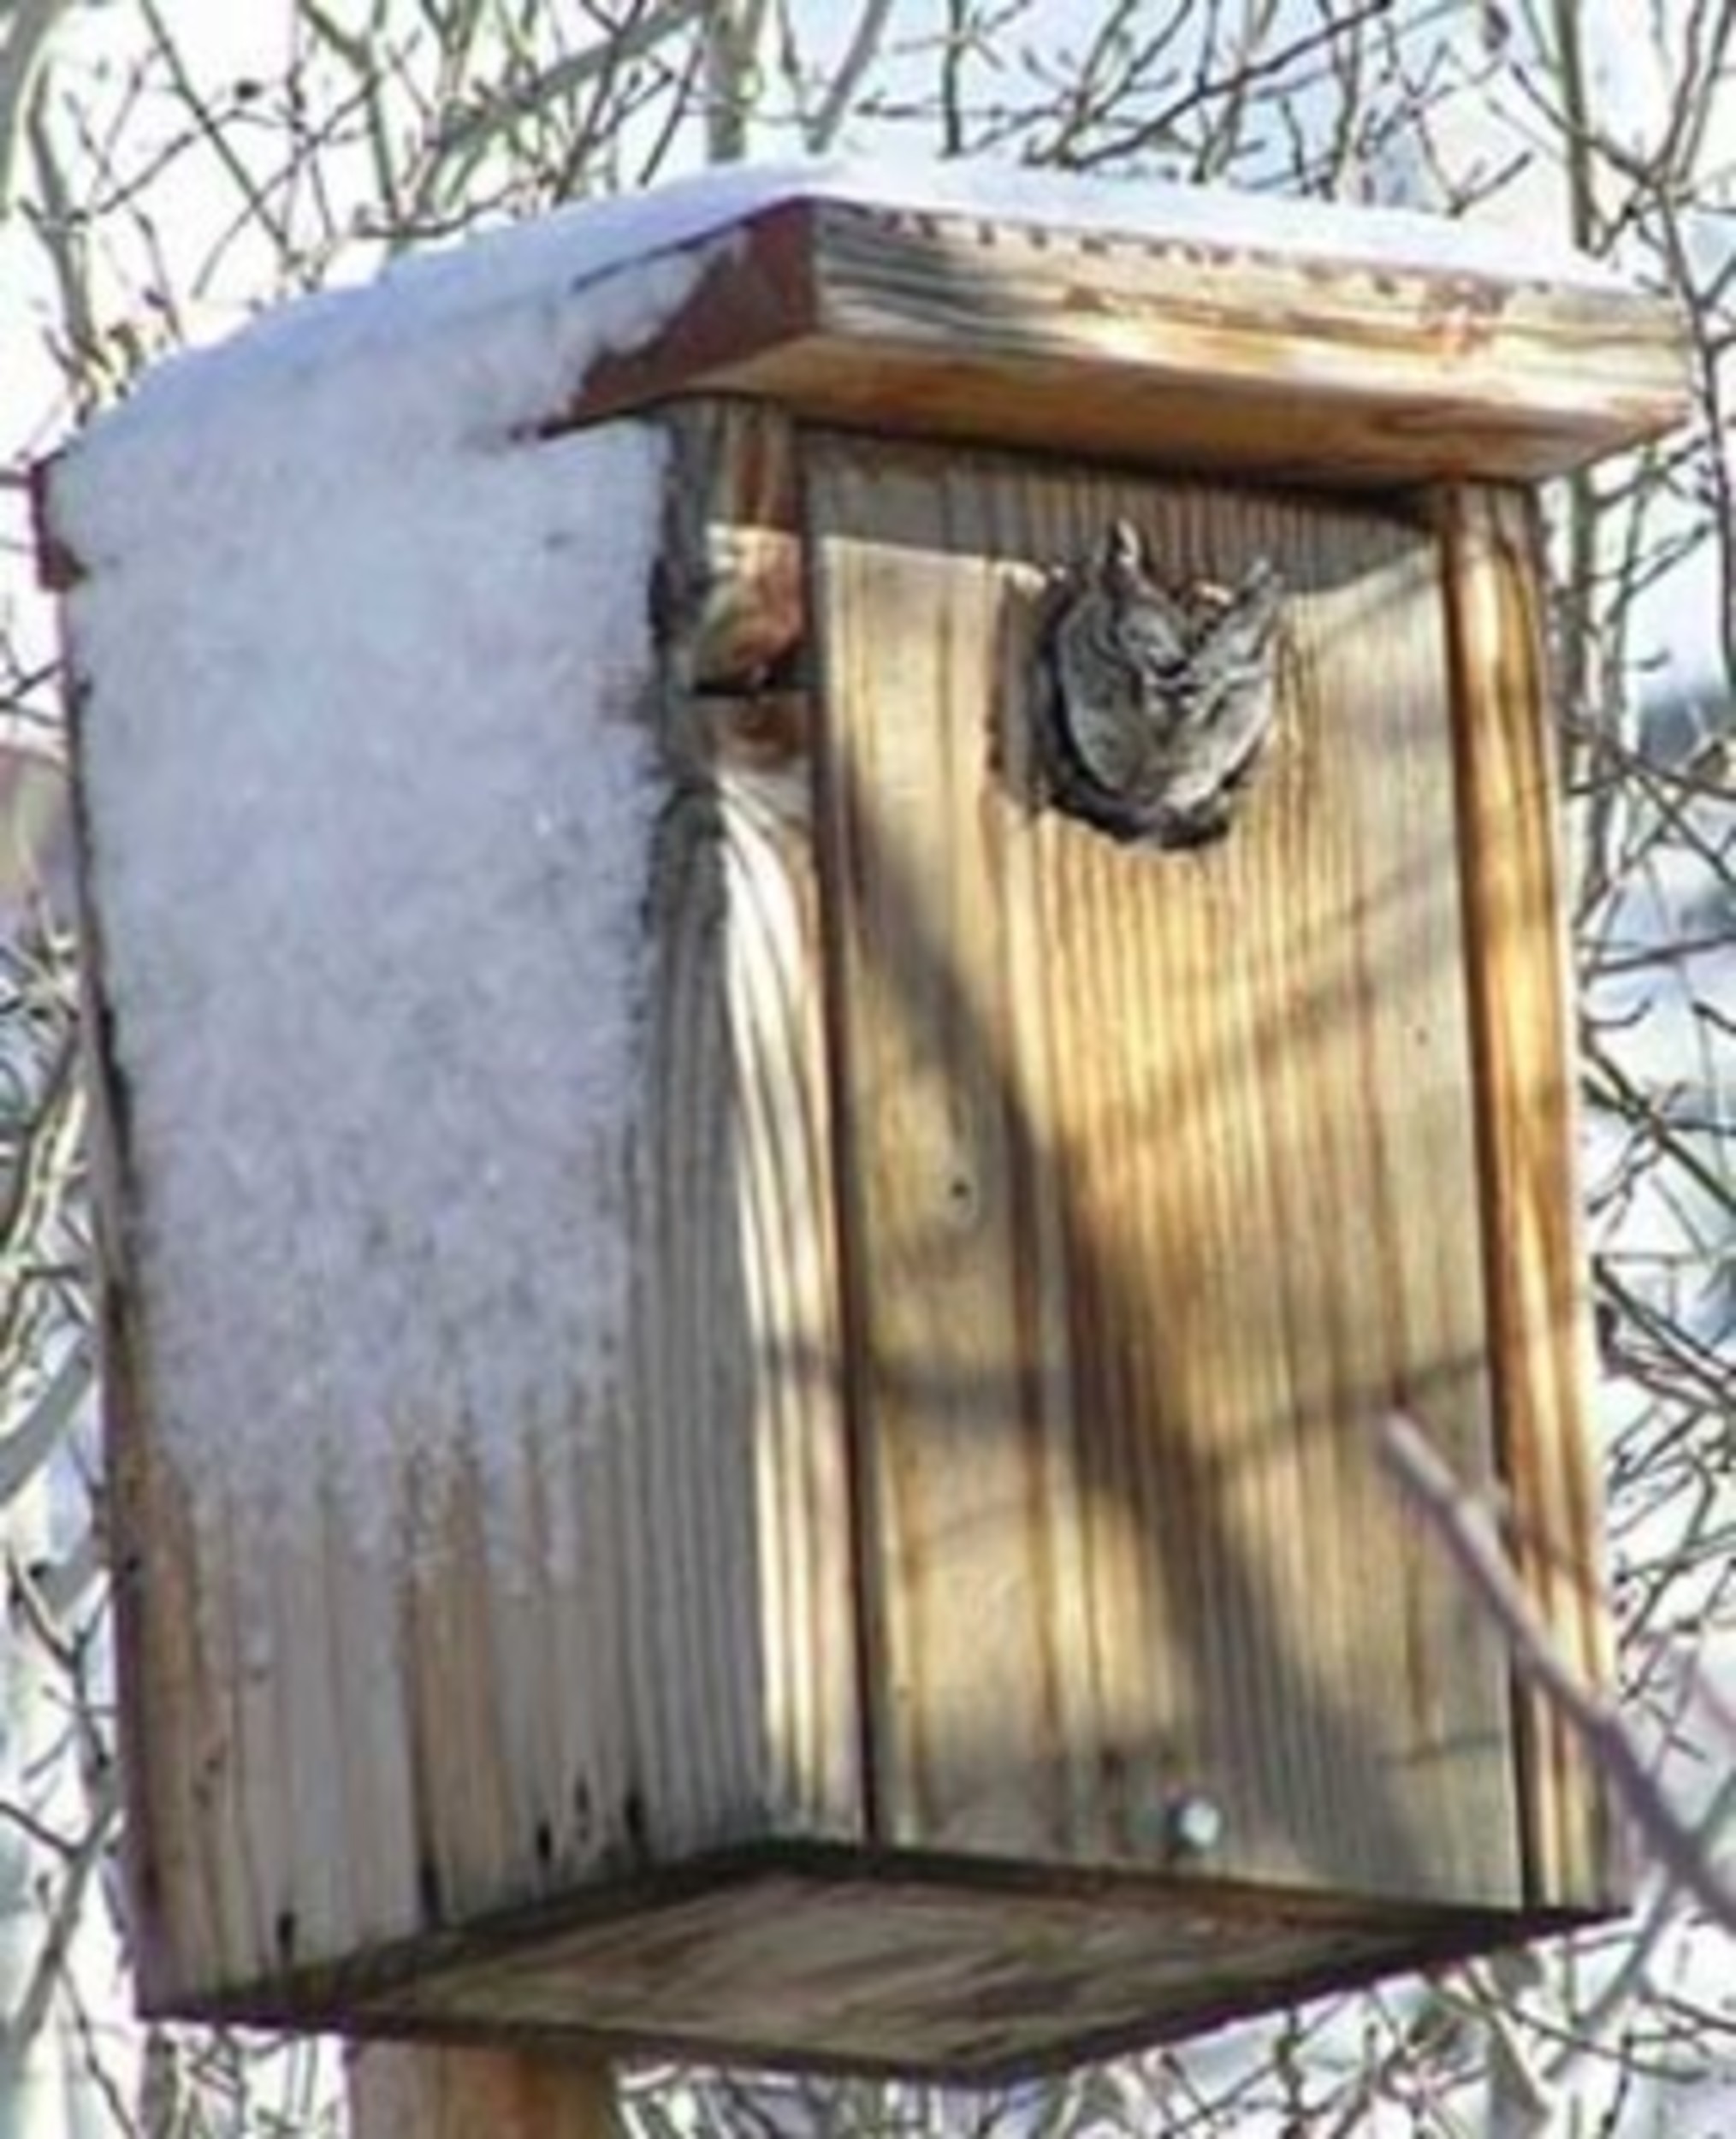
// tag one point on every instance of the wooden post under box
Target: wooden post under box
(1108, 1043)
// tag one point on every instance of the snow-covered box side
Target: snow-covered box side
(369, 788)
(436, 1383)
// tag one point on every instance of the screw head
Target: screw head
(1194, 1825)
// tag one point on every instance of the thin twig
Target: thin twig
(1465, 1527)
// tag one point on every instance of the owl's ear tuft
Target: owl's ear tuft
(1122, 560)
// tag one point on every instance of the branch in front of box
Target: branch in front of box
(1466, 1528)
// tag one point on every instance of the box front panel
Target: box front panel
(1161, 1183)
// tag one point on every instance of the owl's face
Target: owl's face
(1158, 698)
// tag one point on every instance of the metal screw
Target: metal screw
(1193, 1826)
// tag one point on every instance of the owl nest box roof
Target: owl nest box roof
(1157, 324)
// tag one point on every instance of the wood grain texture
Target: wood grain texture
(1161, 1176)
(955, 1969)
(745, 749)
(1539, 1309)
(1185, 351)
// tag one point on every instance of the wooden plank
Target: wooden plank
(1161, 1176)
(1189, 350)
(741, 911)
(441, 2093)
(195, 1915)
(961, 1969)
(1539, 1310)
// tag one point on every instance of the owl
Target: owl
(1158, 701)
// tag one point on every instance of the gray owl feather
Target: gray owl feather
(1159, 701)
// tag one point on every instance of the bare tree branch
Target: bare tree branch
(1462, 1524)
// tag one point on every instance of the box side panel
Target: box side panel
(339, 1743)
(1539, 1308)
(1163, 1185)
(490, 1658)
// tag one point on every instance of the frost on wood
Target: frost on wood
(371, 790)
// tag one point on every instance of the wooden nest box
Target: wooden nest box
(826, 933)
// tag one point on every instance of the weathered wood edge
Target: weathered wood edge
(729, 600)
(370, 1996)
(119, 1380)
(1385, 1957)
(1185, 353)
(58, 567)
(1519, 975)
